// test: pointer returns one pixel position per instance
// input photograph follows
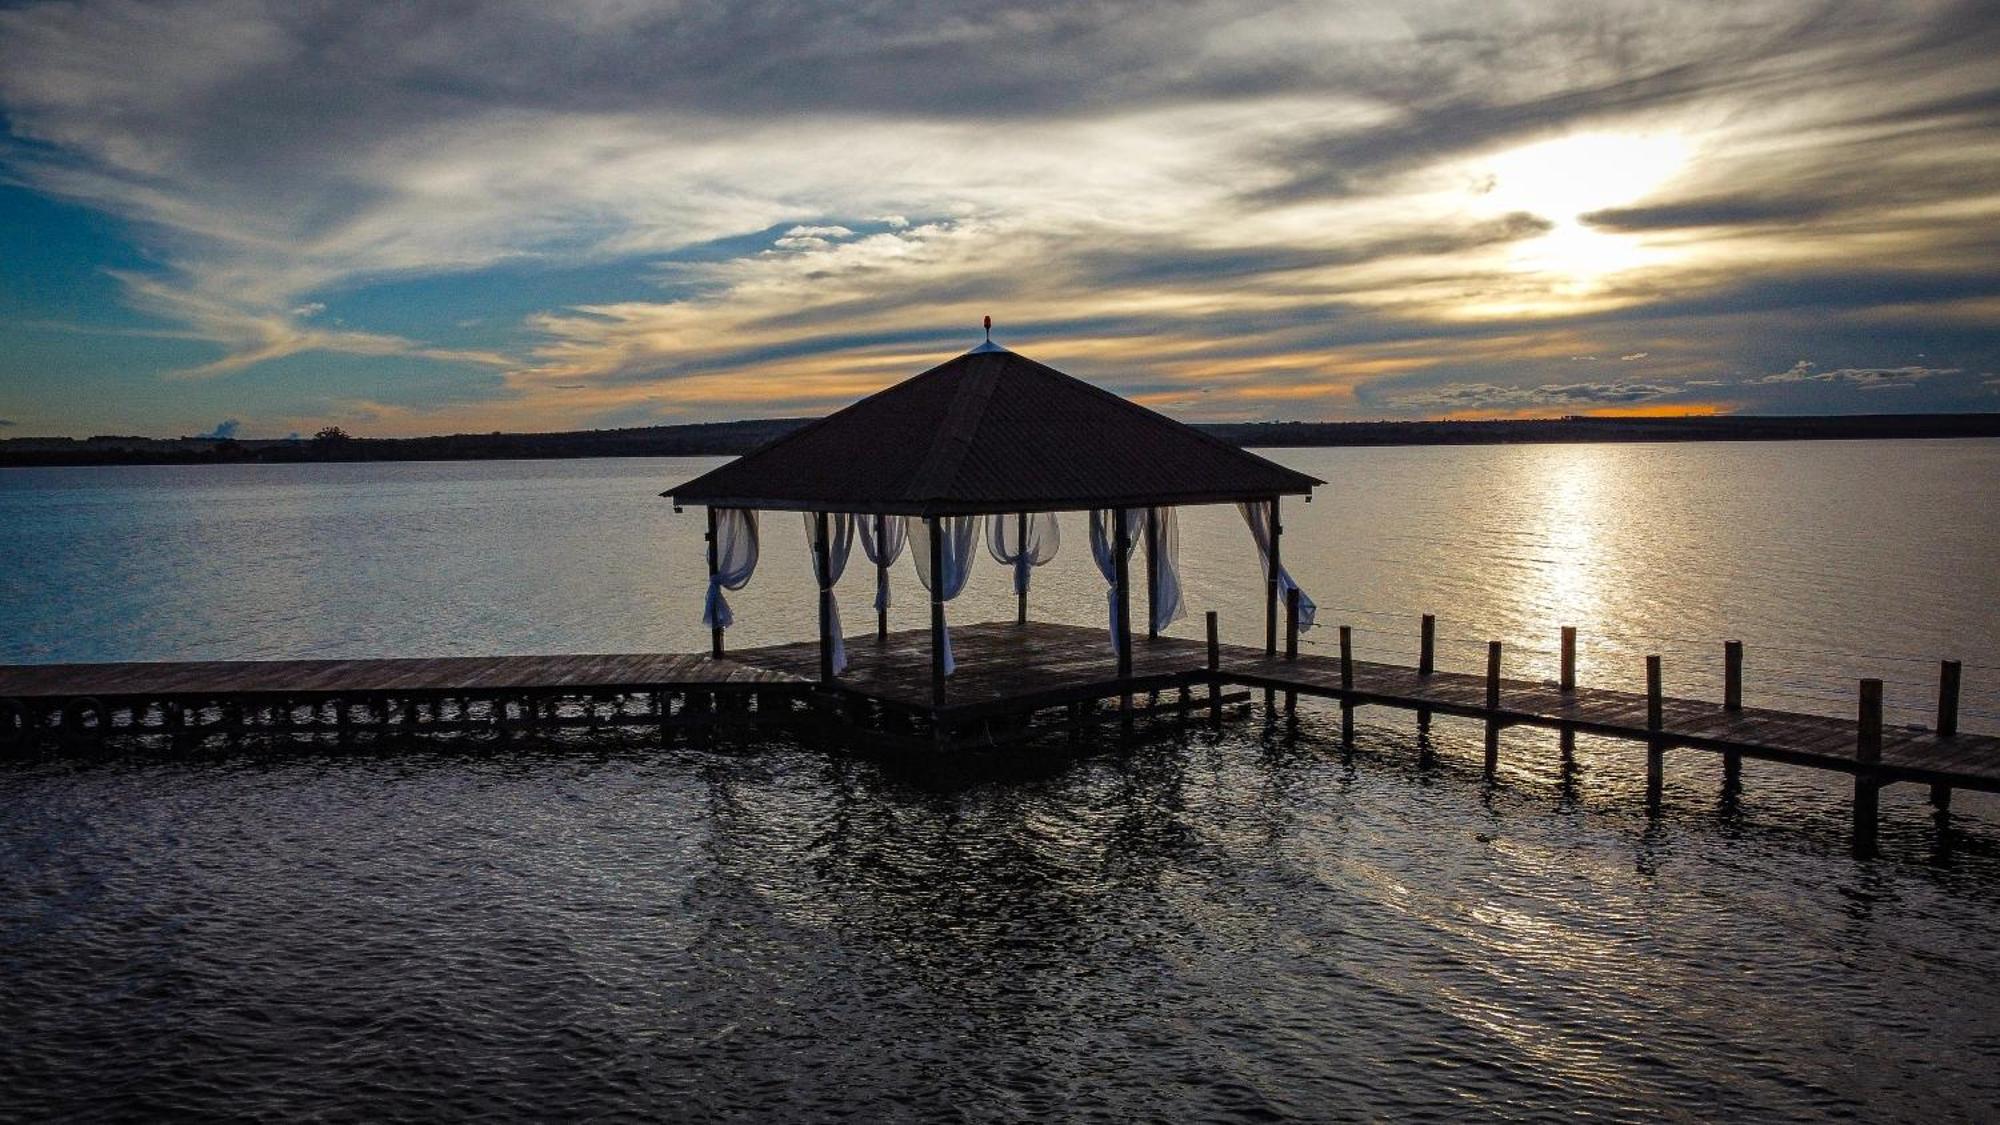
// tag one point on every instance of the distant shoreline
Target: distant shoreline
(716, 439)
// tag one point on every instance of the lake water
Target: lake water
(1237, 926)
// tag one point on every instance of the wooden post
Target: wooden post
(1346, 658)
(1021, 569)
(1732, 701)
(1121, 551)
(1568, 681)
(1214, 667)
(1292, 643)
(822, 562)
(1656, 748)
(937, 614)
(1867, 752)
(1152, 572)
(1427, 655)
(1947, 723)
(1492, 707)
(714, 634)
(1271, 586)
(881, 573)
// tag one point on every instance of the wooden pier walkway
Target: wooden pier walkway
(1015, 683)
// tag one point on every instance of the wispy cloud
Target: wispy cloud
(1236, 208)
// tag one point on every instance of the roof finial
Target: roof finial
(989, 329)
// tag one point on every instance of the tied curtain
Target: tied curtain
(1165, 561)
(958, 540)
(1004, 543)
(840, 535)
(882, 551)
(735, 561)
(1258, 516)
(1102, 543)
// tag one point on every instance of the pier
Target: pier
(1016, 684)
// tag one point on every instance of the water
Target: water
(1242, 926)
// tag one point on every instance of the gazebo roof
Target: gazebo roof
(991, 431)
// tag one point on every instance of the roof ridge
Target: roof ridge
(939, 469)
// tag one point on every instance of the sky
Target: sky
(223, 216)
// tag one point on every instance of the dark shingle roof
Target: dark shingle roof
(991, 431)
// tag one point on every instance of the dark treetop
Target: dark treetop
(991, 431)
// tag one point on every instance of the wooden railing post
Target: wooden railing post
(881, 572)
(1492, 707)
(1947, 724)
(1567, 680)
(1732, 701)
(1214, 667)
(822, 562)
(1427, 654)
(1867, 753)
(936, 548)
(1022, 568)
(1292, 643)
(1656, 747)
(1346, 658)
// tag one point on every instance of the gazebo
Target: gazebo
(988, 436)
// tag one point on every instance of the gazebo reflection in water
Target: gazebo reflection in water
(981, 453)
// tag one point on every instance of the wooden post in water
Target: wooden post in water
(1022, 569)
(1492, 708)
(1292, 643)
(715, 633)
(822, 562)
(936, 546)
(1867, 752)
(1568, 676)
(1214, 667)
(1427, 652)
(881, 576)
(1947, 723)
(1346, 685)
(1656, 747)
(1732, 701)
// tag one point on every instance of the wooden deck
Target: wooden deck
(1008, 677)
(455, 674)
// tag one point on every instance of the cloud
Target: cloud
(724, 208)
(1632, 356)
(1490, 396)
(5, 422)
(224, 430)
(1868, 378)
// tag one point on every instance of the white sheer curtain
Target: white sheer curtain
(958, 538)
(736, 561)
(1258, 516)
(883, 553)
(1003, 534)
(840, 536)
(1165, 561)
(1101, 546)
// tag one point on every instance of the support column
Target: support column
(714, 634)
(822, 559)
(881, 572)
(1271, 585)
(1492, 708)
(1152, 572)
(1214, 671)
(1121, 551)
(1021, 569)
(937, 611)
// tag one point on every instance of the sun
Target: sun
(1565, 179)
